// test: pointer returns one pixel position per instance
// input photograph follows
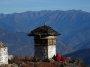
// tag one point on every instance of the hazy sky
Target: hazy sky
(10, 6)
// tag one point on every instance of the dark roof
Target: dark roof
(43, 30)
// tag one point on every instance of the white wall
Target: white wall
(51, 51)
(3, 55)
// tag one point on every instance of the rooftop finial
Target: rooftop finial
(45, 24)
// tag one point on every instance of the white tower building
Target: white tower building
(3, 54)
(45, 42)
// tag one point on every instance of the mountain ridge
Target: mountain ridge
(74, 26)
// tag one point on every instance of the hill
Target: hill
(74, 25)
(82, 54)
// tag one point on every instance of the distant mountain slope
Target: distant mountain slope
(83, 54)
(18, 43)
(74, 25)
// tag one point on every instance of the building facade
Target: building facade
(45, 42)
(3, 54)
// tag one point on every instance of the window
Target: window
(52, 42)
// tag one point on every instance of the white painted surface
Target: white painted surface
(49, 37)
(51, 51)
(3, 55)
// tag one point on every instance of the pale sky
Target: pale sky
(11, 6)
